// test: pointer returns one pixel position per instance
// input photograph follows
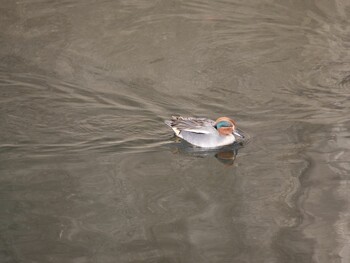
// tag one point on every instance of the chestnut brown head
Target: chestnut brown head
(225, 126)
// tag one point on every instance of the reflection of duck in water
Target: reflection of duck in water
(204, 132)
(225, 155)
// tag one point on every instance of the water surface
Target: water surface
(89, 172)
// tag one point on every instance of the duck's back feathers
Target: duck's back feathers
(191, 125)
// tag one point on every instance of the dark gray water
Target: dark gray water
(89, 172)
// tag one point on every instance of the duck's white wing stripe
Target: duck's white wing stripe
(198, 130)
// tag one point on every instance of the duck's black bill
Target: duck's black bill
(239, 134)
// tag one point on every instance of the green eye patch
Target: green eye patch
(223, 124)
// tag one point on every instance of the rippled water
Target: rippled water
(89, 172)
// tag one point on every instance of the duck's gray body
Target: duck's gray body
(199, 132)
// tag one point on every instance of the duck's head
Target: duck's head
(227, 126)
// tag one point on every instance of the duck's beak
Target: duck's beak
(238, 134)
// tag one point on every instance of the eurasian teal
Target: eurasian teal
(204, 132)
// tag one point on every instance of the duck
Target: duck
(205, 133)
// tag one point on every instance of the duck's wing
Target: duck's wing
(181, 125)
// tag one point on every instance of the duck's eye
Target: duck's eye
(223, 124)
